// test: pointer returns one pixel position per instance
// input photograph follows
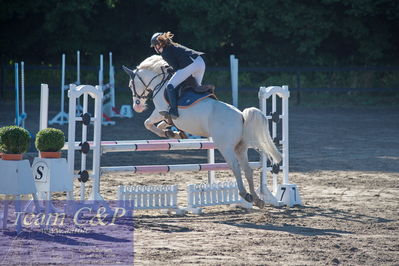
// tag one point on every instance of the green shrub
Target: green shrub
(1, 146)
(50, 140)
(14, 140)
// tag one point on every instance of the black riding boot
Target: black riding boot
(172, 93)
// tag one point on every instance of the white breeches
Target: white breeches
(196, 69)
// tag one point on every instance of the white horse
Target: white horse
(233, 131)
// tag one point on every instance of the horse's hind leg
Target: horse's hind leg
(230, 157)
(242, 155)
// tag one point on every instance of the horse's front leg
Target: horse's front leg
(167, 128)
(163, 125)
(151, 122)
(162, 129)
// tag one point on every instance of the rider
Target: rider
(183, 60)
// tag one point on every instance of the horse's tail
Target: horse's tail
(256, 133)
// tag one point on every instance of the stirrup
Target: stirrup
(174, 116)
(173, 113)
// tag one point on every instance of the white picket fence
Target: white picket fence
(147, 197)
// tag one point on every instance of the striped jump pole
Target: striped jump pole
(151, 145)
(173, 168)
(156, 145)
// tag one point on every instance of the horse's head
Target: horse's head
(140, 86)
(148, 77)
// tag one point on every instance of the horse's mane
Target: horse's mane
(154, 63)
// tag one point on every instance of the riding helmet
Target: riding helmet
(154, 37)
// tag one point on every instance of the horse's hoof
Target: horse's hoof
(259, 203)
(167, 117)
(169, 133)
(247, 197)
(182, 135)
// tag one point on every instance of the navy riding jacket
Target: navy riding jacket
(179, 56)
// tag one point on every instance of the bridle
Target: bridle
(165, 77)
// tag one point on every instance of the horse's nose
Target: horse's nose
(138, 107)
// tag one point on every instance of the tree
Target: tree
(260, 33)
(290, 32)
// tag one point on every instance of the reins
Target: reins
(157, 88)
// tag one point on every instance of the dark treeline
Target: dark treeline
(269, 33)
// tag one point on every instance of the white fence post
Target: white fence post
(234, 79)
(43, 106)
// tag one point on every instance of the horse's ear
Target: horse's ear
(129, 72)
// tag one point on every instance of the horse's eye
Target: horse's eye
(137, 101)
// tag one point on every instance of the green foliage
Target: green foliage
(50, 140)
(14, 140)
(287, 32)
(260, 33)
(1, 133)
(221, 79)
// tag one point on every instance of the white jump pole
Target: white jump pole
(211, 160)
(158, 144)
(274, 135)
(43, 106)
(71, 137)
(263, 177)
(101, 71)
(79, 108)
(78, 67)
(17, 95)
(95, 195)
(63, 85)
(62, 117)
(234, 79)
(285, 141)
(112, 84)
(172, 168)
(109, 92)
(84, 139)
(63, 91)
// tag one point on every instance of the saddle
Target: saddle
(191, 84)
(189, 92)
(188, 86)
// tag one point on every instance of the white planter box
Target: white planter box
(16, 178)
(51, 175)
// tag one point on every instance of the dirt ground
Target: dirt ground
(345, 163)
